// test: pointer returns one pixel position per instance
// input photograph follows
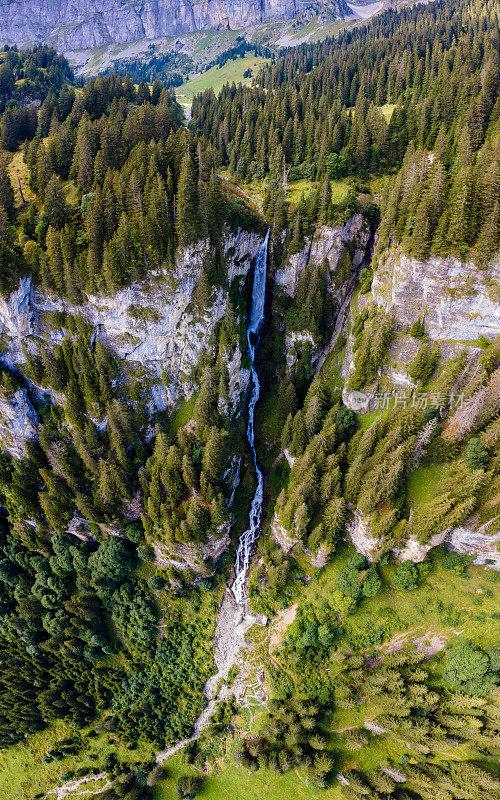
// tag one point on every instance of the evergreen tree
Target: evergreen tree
(55, 206)
(187, 210)
(6, 191)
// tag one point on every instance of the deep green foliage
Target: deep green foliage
(405, 577)
(468, 669)
(475, 454)
(373, 330)
(111, 562)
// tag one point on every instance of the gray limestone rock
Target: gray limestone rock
(72, 25)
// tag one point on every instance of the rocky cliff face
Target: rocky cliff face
(155, 326)
(328, 242)
(68, 24)
(18, 422)
(459, 301)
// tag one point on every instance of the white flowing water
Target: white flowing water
(250, 536)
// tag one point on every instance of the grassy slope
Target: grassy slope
(18, 171)
(215, 78)
(255, 189)
(236, 783)
(419, 618)
(296, 188)
(472, 607)
(22, 773)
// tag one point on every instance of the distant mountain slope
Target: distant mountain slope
(69, 24)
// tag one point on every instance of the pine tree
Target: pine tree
(325, 199)
(6, 191)
(187, 221)
(55, 206)
(214, 455)
(84, 154)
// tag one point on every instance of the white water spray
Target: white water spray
(250, 536)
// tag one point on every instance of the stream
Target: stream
(248, 539)
(234, 620)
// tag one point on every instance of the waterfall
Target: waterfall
(234, 620)
(250, 536)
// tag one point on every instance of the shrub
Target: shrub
(424, 363)
(156, 583)
(372, 584)
(357, 561)
(146, 552)
(405, 577)
(455, 562)
(348, 583)
(112, 561)
(188, 786)
(157, 774)
(417, 329)
(468, 669)
(134, 533)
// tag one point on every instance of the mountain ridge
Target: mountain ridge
(70, 25)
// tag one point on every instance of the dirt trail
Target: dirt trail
(70, 787)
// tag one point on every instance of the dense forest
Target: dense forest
(316, 113)
(79, 612)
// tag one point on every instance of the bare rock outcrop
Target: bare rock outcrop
(361, 535)
(68, 24)
(18, 422)
(328, 243)
(458, 300)
(484, 546)
(154, 325)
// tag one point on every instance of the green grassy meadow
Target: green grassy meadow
(23, 774)
(216, 77)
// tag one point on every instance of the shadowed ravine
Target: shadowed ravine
(234, 620)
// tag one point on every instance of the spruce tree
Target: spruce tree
(6, 191)
(187, 211)
(55, 206)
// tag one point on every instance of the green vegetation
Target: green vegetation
(216, 77)
(378, 674)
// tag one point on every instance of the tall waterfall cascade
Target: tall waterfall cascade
(250, 536)
(234, 619)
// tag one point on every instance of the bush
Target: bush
(424, 363)
(134, 533)
(156, 583)
(348, 583)
(357, 561)
(112, 561)
(455, 562)
(188, 786)
(157, 774)
(417, 329)
(146, 552)
(372, 584)
(405, 578)
(468, 669)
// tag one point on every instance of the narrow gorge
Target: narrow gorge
(250, 409)
(234, 620)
